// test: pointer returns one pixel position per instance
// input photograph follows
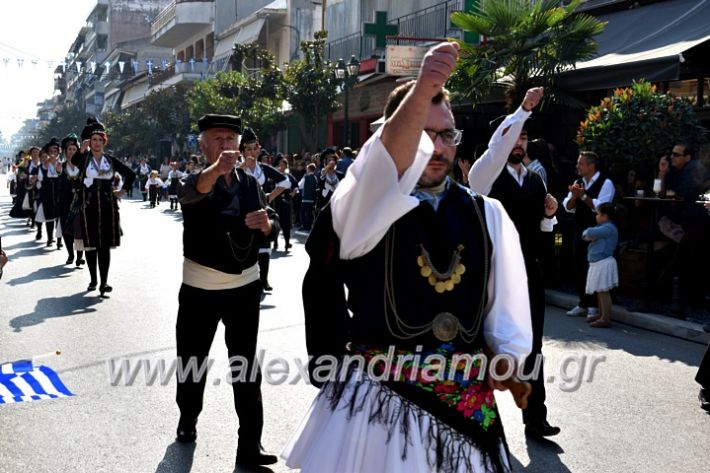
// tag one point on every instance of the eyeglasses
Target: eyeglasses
(450, 137)
(677, 155)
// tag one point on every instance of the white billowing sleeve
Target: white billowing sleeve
(507, 327)
(372, 196)
(548, 224)
(485, 170)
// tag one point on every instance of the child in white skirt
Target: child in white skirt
(603, 272)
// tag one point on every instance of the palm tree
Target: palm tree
(526, 43)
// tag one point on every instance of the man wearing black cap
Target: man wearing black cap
(224, 224)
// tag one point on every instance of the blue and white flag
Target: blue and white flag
(21, 381)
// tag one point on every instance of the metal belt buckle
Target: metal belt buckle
(445, 326)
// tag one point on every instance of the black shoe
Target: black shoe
(92, 286)
(59, 244)
(80, 261)
(704, 398)
(50, 243)
(38, 236)
(288, 246)
(105, 288)
(70, 260)
(543, 429)
(186, 431)
(267, 287)
(255, 457)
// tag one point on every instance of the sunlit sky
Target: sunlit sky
(39, 30)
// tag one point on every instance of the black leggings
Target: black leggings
(69, 243)
(104, 259)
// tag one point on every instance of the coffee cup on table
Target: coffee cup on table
(640, 193)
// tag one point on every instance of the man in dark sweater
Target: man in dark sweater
(225, 222)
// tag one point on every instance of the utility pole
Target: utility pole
(322, 16)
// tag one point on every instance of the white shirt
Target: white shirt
(606, 194)
(485, 170)
(258, 174)
(363, 213)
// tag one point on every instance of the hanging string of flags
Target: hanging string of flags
(105, 68)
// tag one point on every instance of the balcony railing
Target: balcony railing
(431, 22)
(160, 76)
(163, 18)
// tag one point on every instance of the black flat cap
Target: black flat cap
(92, 127)
(71, 138)
(211, 120)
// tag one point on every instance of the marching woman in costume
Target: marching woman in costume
(21, 207)
(48, 184)
(272, 182)
(69, 186)
(98, 227)
(283, 204)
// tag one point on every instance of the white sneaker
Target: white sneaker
(577, 311)
(592, 311)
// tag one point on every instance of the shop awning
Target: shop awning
(645, 42)
(135, 94)
(245, 34)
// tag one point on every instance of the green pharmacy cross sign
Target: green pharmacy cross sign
(468, 36)
(380, 29)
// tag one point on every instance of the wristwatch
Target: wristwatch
(584, 197)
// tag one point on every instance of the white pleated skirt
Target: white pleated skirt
(338, 440)
(603, 276)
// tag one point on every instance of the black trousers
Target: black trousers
(536, 412)
(198, 315)
(703, 376)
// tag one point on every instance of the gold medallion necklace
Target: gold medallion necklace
(446, 281)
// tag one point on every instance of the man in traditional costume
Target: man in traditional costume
(225, 223)
(433, 273)
(524, 196)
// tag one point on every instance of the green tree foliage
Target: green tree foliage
(312, 88)
(68, 119)
(527, 44)
(637, 125)
(162, 115)
(254, 90)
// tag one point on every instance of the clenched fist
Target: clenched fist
(258, 220)
(437, 65)
(533, 97)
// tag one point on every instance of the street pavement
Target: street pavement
(639, 413)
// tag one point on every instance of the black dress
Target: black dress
(21, 191)
(99, 223)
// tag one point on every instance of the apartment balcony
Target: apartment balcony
(174, 74)
(181, 20)
(101, 28)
